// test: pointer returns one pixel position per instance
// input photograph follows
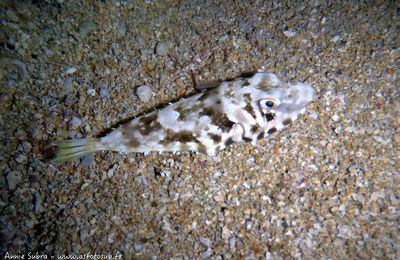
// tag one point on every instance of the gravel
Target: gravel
(87, 160)
(76, 122)
(289, 33)
(326, 187)
(13, 179)
(104, 92)
(162, 49)
(144, 93)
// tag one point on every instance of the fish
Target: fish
(245, 109)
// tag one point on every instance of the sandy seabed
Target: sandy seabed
(326, 187)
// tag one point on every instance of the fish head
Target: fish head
(281, 103)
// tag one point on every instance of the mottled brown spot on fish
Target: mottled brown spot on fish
(219, 119)
(147, 129)
(127, 129)
(181, 112)
(264, 84)
(287, 121)
(246, 82)
(202, 148)
(216, 138)
(249, 107)
(148, 119)
(272, 130)
(226, 124)
(207, 111)
(184, 147)
(254, 129)
(133, 142)
(260, 136)
(148, 124)
(229, 141)
(229, 93)
(247, 139)
(247, 96)
(183, 137)
(269, 117)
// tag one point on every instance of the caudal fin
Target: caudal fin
(75, 148)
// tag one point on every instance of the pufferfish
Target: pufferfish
(240, 110)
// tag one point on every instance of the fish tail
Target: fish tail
(75, 148)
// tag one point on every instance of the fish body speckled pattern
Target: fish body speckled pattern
(241, 110)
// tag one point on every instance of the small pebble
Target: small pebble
(91, 92)
(205, 241)
(144, 93)
(87, 128)
(162, 49)
(207, 253)
(146, 51)
(11, 83)
(21, 67)
(226, 233)
(13, 179)
(70, 70)
(110, 172)
(83, 234)
(138, 246)
(67, 85)
(12, 16)
(313, 115)
(219, 198)
(338, 129)
(75, 122)
(250, 162)
(87, 160)
(25, 146)
(289, 33)
(104, 93)
(329, 147)
(232, 243)
(86, 27)
(335, 38)
(36, 133)
(20, 158)
(110, 239)
(249, 224)
(223, 38)
(38, 203)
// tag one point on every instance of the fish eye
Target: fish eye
(269, 103)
